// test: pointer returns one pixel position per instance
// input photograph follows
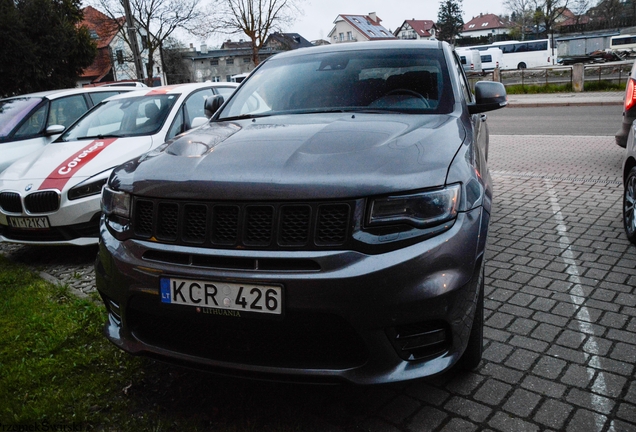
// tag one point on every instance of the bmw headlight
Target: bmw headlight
(85, 189)
(115, 203)
(420, 210)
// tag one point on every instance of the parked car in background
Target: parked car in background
(471, 60)
(29, 122)
(629, 186)
(328, 224)
(629, 109)
(52, 196)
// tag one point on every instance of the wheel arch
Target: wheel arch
(630, 163)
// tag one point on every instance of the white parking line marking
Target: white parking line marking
(578, 297)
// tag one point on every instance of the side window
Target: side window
(224, 91)
(177, 125)
(33, 125)
(65, 111)
(463, 83)
(100, 96)
(195, 105)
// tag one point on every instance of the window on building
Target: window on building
(341, 36)
(214, 62)
(229, 61)
(120, 56)
(349, 36)
(228, 78)
(216, 79)
(246, 59)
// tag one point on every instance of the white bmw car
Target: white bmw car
(52, 196)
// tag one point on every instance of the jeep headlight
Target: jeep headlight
(420, 210)
(115, 203)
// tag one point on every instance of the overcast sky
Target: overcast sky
(317, 21)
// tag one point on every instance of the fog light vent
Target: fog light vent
(420, 341)
(112, 307)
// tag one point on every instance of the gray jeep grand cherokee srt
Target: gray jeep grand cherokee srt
(328, 224)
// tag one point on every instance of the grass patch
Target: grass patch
(604, 86)
(57, 368)
(563, 88)
(538, 89)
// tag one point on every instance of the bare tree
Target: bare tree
(551, 11)
(257, 19)
(579, 8)
(155, 21)
(522, 12)
(610, 9)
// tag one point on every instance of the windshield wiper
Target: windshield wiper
(100, 136)
(243, 117)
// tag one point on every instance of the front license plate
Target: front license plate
(266, 299)
(29, 222)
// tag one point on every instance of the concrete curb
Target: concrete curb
(561, 104)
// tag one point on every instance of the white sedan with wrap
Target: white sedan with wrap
(52, 196)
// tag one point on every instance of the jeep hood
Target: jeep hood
(309, 156)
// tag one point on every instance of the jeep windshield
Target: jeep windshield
(413, 81)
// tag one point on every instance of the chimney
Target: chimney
(373, 16)
(204, 49)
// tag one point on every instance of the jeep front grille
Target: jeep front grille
(244, 225)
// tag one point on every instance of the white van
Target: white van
(471, 60)
(491, 59)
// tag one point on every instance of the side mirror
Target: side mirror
(54, 130)
(489, 95)
(212, 104)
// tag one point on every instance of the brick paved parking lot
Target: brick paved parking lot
(560, 314)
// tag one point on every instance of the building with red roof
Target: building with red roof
(485, 25)
(416, 29)
(114, 60)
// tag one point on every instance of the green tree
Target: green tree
(173, 64)
(449, 20)
(43, 47)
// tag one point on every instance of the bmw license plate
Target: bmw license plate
(35, 223)
(229, 296)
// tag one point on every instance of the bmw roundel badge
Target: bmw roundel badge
(28, 187)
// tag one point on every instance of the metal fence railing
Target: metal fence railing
(614, 72)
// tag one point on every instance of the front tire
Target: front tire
(629, 203)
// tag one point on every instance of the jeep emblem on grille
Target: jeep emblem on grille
(28, 187)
